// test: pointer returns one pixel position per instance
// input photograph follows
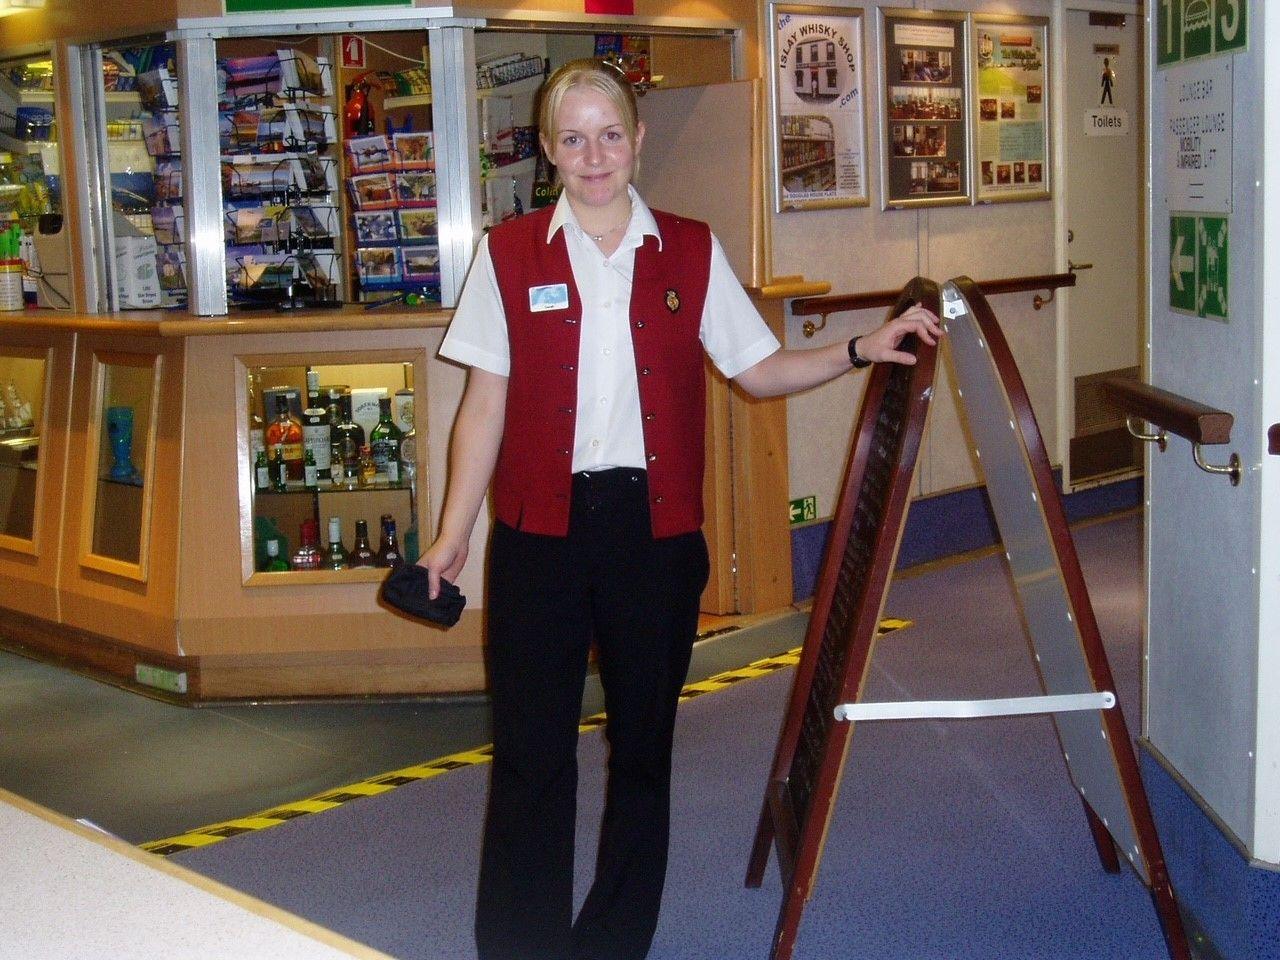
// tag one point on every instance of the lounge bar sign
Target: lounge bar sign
(1186, 29)
(276, 6)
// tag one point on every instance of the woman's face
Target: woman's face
(591, 150)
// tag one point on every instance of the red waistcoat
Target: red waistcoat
(532, 480)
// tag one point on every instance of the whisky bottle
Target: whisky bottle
(362, 554)
(261, 472)
(316, 438)
(335, 557)
(384, 439)
(286, 432)
(310, 475)
(351, 435)
(389, 554)
(368, 469)
(313, 387)
(275, 562)
(308, 556)
(278, 469)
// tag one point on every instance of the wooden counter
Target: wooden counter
(185, 605)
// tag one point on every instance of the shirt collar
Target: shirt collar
(641, 224)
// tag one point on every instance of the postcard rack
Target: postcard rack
(277, 130)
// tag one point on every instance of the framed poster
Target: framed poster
(924, 149)
(819, 111)
(1011, 106)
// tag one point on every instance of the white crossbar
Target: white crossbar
(947, 709)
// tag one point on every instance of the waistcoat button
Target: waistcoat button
(652, 457)
(645, 371)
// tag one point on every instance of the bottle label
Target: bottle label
(315, 437)
(393, 470)
(264, 477)
(310, 474)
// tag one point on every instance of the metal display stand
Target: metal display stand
(1074, 673)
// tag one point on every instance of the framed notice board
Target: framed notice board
(924, 143)
(273, 6)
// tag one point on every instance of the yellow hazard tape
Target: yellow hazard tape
(372, 786)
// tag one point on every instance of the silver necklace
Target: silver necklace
(598, 237)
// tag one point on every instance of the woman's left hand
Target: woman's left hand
(881, 346)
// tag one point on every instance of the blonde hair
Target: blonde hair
(595, 75)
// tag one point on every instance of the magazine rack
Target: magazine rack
(853, 583)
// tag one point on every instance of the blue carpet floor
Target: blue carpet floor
(952, 839)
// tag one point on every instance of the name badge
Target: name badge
(554, 296)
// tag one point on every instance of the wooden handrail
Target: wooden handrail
(812, 306)
(1169, 411)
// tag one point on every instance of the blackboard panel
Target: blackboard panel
(850, 592)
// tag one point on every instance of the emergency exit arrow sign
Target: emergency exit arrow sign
(1181, 263)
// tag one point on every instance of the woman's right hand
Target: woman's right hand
(444, 558)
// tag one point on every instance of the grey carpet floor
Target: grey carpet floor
(950, 839)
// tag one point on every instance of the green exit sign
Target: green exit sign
(803, 510)
(1186, 29)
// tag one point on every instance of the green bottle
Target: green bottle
(261, 472)
(279, 470)
(275, 562)
(384, 439)
(310, 473)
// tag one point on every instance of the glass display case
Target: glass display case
(334, 476)
(124, 399)
(22, 398)
(140, 91)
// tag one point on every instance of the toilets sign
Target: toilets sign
(1186, 29)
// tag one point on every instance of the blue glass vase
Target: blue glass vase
(120, 434)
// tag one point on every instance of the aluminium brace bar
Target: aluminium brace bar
(947, 709)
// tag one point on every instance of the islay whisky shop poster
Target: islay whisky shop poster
(819, 110)
(924, 148)
(1012, 92)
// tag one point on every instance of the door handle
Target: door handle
(1072, 266)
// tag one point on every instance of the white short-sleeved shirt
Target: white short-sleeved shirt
(608, 431)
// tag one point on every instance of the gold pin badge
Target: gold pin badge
(673, 301)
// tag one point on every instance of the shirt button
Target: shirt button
(606, 351)
(595, 443)
(607, 304)
(603, 401)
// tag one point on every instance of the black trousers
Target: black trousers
(609, 581)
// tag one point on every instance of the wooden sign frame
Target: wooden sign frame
(1051, 590)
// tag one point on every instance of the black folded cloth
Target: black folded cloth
(407, 587)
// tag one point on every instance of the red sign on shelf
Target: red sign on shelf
(352, 51)
(626, 8)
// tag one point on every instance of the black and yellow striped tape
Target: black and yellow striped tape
(372, 786)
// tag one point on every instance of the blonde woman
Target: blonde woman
(585, 325)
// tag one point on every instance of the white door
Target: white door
(1103, 136)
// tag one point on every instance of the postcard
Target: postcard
(372, 191)
(413, 151)
(368, 154)
(377, 226)
(168, 224)
(418, 226)
(314, 222)
(303, 73)
(421, 263)
(378, 263)
(416, 189)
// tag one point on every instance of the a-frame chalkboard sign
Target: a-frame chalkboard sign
(853, 583)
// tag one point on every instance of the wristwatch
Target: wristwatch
(857, 361)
